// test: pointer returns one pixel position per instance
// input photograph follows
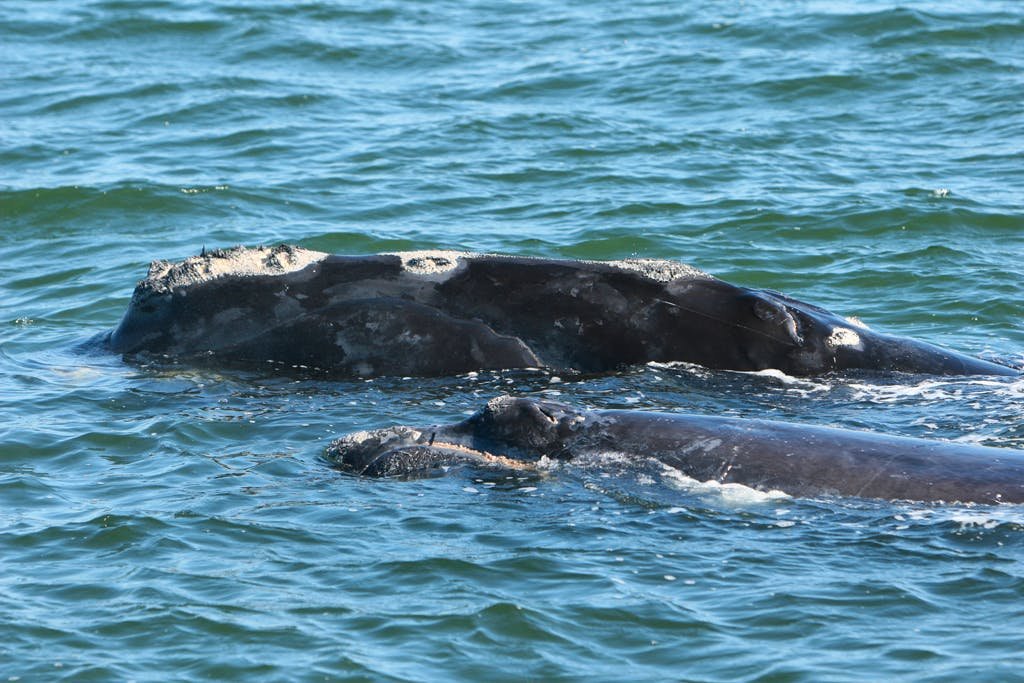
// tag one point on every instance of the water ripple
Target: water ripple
(183, 520)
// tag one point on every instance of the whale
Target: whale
(435, 313)
(798, 459)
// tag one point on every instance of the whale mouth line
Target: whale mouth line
(481, 457)
(485, 456)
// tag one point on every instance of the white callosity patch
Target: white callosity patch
(165, 276)
(661, 270)
(498, 403)
(843, 336)
(431, 262)
(217, 263)
(377, 438)
(435, 262)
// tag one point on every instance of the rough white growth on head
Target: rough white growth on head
(496, 404)
(857, 322)
(166, 276)
(843, 336)
(431, 262)
(435, 262)
(660, 269)
(376, 437)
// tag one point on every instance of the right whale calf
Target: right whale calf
(801, 460)
(440, 313)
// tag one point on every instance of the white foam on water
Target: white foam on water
(977, 520)
(932, 389)
(78, 375)
(730, 493)
(808, 385)
(968, 517)
(547, 464)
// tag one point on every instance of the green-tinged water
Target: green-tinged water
(176, 524)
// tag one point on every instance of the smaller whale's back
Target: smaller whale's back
(801, 460)
(807, 460)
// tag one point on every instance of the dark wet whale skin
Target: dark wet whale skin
(367, 315)
(800, 460)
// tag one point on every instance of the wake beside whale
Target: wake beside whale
(441, 313)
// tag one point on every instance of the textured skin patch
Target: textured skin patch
(244, 261)
(660, 269)
(432, 262)
(436, 262)
(165, 276)
(843, 336)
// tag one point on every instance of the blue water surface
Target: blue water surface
(173, 523)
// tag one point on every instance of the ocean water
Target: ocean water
(170, 523)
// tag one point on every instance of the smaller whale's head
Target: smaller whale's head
(386, 452)
(412, 453)
(508, 432)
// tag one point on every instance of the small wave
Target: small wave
(816, 86)
(958, 31)
(997, 522)
(111, 26)
(789, 381)
(135, 94)
(79, 199)
(403, 53)
(936, 390)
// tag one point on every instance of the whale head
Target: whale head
(508, 432)
(408, 453)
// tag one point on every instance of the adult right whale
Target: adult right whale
(442, 313)
(801, 460)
